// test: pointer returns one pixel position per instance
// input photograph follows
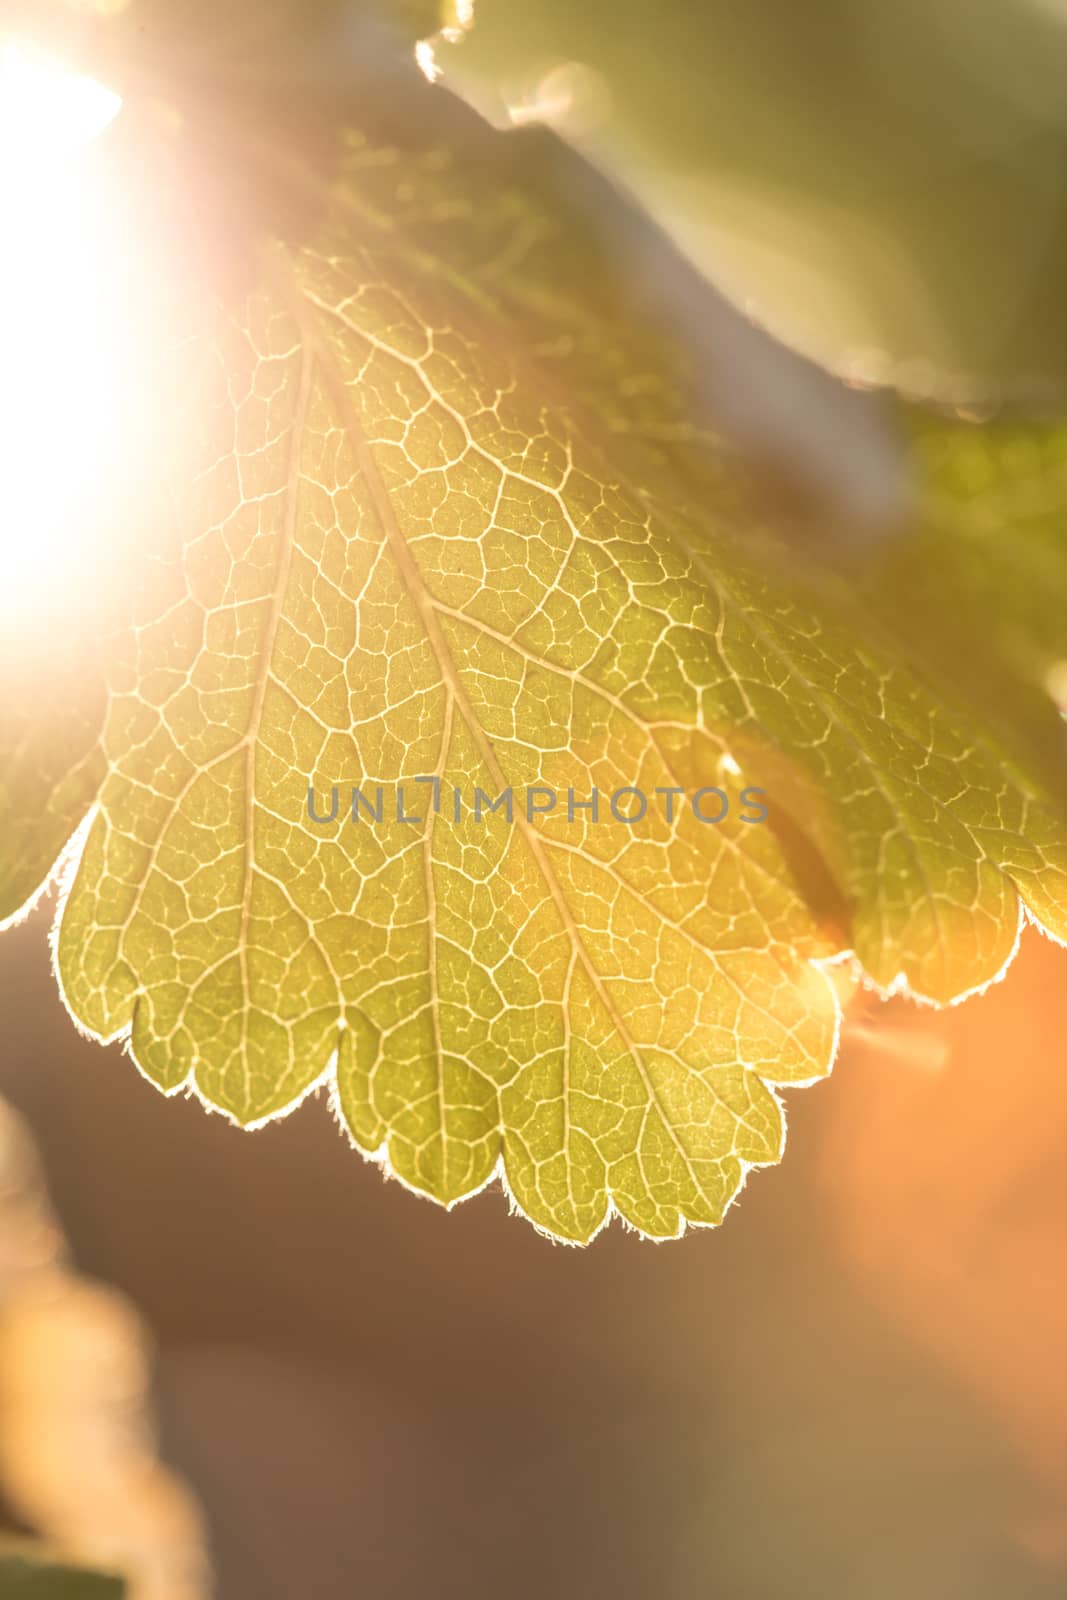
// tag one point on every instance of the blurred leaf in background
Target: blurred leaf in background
(79, 1463)
(881, 184)
(25, 1576)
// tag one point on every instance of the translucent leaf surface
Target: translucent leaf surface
(442, 515)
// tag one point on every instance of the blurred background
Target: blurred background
(880, 183)
(854, 1388)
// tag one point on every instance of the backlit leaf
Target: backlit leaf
(443, 515)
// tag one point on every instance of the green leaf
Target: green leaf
(447, 516)
(835, 169)
(977, 590)
(26, 1577)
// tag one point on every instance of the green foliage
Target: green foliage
(27, 1577)
(438, 506)
(879, 184)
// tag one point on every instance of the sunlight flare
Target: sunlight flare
(62, 379)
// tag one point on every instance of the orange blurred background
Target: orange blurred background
(851, 1389)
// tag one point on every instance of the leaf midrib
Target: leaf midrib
(349, 416)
